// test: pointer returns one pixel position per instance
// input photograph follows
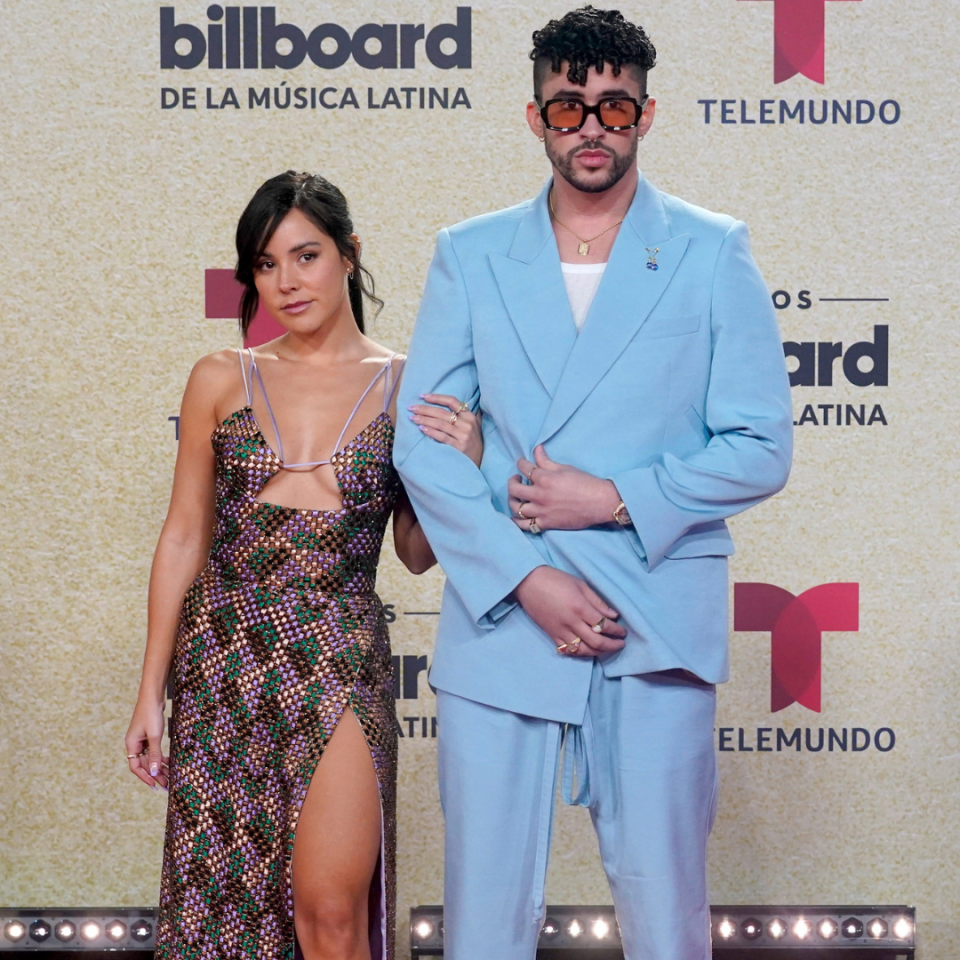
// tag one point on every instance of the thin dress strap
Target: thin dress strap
(247, 380)
(390, 389)
(363, 397)
(254, 369)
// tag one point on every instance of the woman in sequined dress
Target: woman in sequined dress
(262, 606)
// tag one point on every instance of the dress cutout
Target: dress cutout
(279, 634)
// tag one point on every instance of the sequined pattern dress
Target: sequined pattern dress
(279, 635)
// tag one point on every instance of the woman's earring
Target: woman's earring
(642, 135)
(542, 139)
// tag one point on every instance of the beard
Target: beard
(563, 162)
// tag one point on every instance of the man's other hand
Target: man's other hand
(558, 496)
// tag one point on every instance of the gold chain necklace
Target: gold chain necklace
(584, 247)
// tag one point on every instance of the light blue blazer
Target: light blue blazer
(675, 389)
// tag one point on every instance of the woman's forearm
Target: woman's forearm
(176, 563)
(409, 539)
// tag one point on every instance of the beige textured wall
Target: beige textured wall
(112, 210)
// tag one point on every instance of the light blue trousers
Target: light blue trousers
(644, 764)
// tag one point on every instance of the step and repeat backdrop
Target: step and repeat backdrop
(132, 136)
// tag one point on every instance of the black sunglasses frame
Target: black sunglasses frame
(594, 109)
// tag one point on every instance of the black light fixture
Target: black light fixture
(77, 929)
(880, 933)
(40, 931)
(825, 932)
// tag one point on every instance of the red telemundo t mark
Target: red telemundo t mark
(795, 625)
(798, 38)
(222, 301)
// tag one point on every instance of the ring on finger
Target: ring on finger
(574, 646)
(534, 526)
(454, 417)
(562, 648)
(462, 408)
(598, 627)
(133, 756)
(523, 503)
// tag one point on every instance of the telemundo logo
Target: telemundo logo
(249, 38)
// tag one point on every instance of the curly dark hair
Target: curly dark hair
(589, 37)
(320, 201)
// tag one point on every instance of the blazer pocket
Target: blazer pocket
(657, 328)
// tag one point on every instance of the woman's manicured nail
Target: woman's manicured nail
(423, 429)
(154, 769)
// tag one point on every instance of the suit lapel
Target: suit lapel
(627, 294)
(534, 294)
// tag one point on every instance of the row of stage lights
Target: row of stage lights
(884, 931)
(852, 928)
(73, 929)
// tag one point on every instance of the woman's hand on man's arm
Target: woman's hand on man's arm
(448, 420)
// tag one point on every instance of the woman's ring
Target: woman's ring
(598, 627)
(575, 646)
(462, 408)
(454, 417)
(562, 648)
(534, 526)
(132, 756)
(520, 510)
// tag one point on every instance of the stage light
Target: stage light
(726, 929)
(828, 928)
(39, 930)
(739, 932)
(902, 929)
(65, 931)
(89, 930)
(852, 928)
(776, 929)
(15, 931)
(116, 930)
(423, 929)
(600, 928)
(141, 930)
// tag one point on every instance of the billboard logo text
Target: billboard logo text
(250, 38)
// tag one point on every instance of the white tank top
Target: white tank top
(581, 280)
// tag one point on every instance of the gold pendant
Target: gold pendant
(583, 249)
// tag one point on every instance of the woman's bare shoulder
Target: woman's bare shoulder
(213, 374)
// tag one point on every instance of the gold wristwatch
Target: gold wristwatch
(621, 515)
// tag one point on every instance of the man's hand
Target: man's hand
(558, 496)
(570, 613)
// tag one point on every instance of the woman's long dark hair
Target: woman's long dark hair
(322, 203)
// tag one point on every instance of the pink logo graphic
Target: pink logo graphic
(795, 625)
(798, 39)
(222, 301)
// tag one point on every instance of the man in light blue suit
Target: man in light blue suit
(623, 350)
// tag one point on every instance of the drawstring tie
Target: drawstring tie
(570, 740)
